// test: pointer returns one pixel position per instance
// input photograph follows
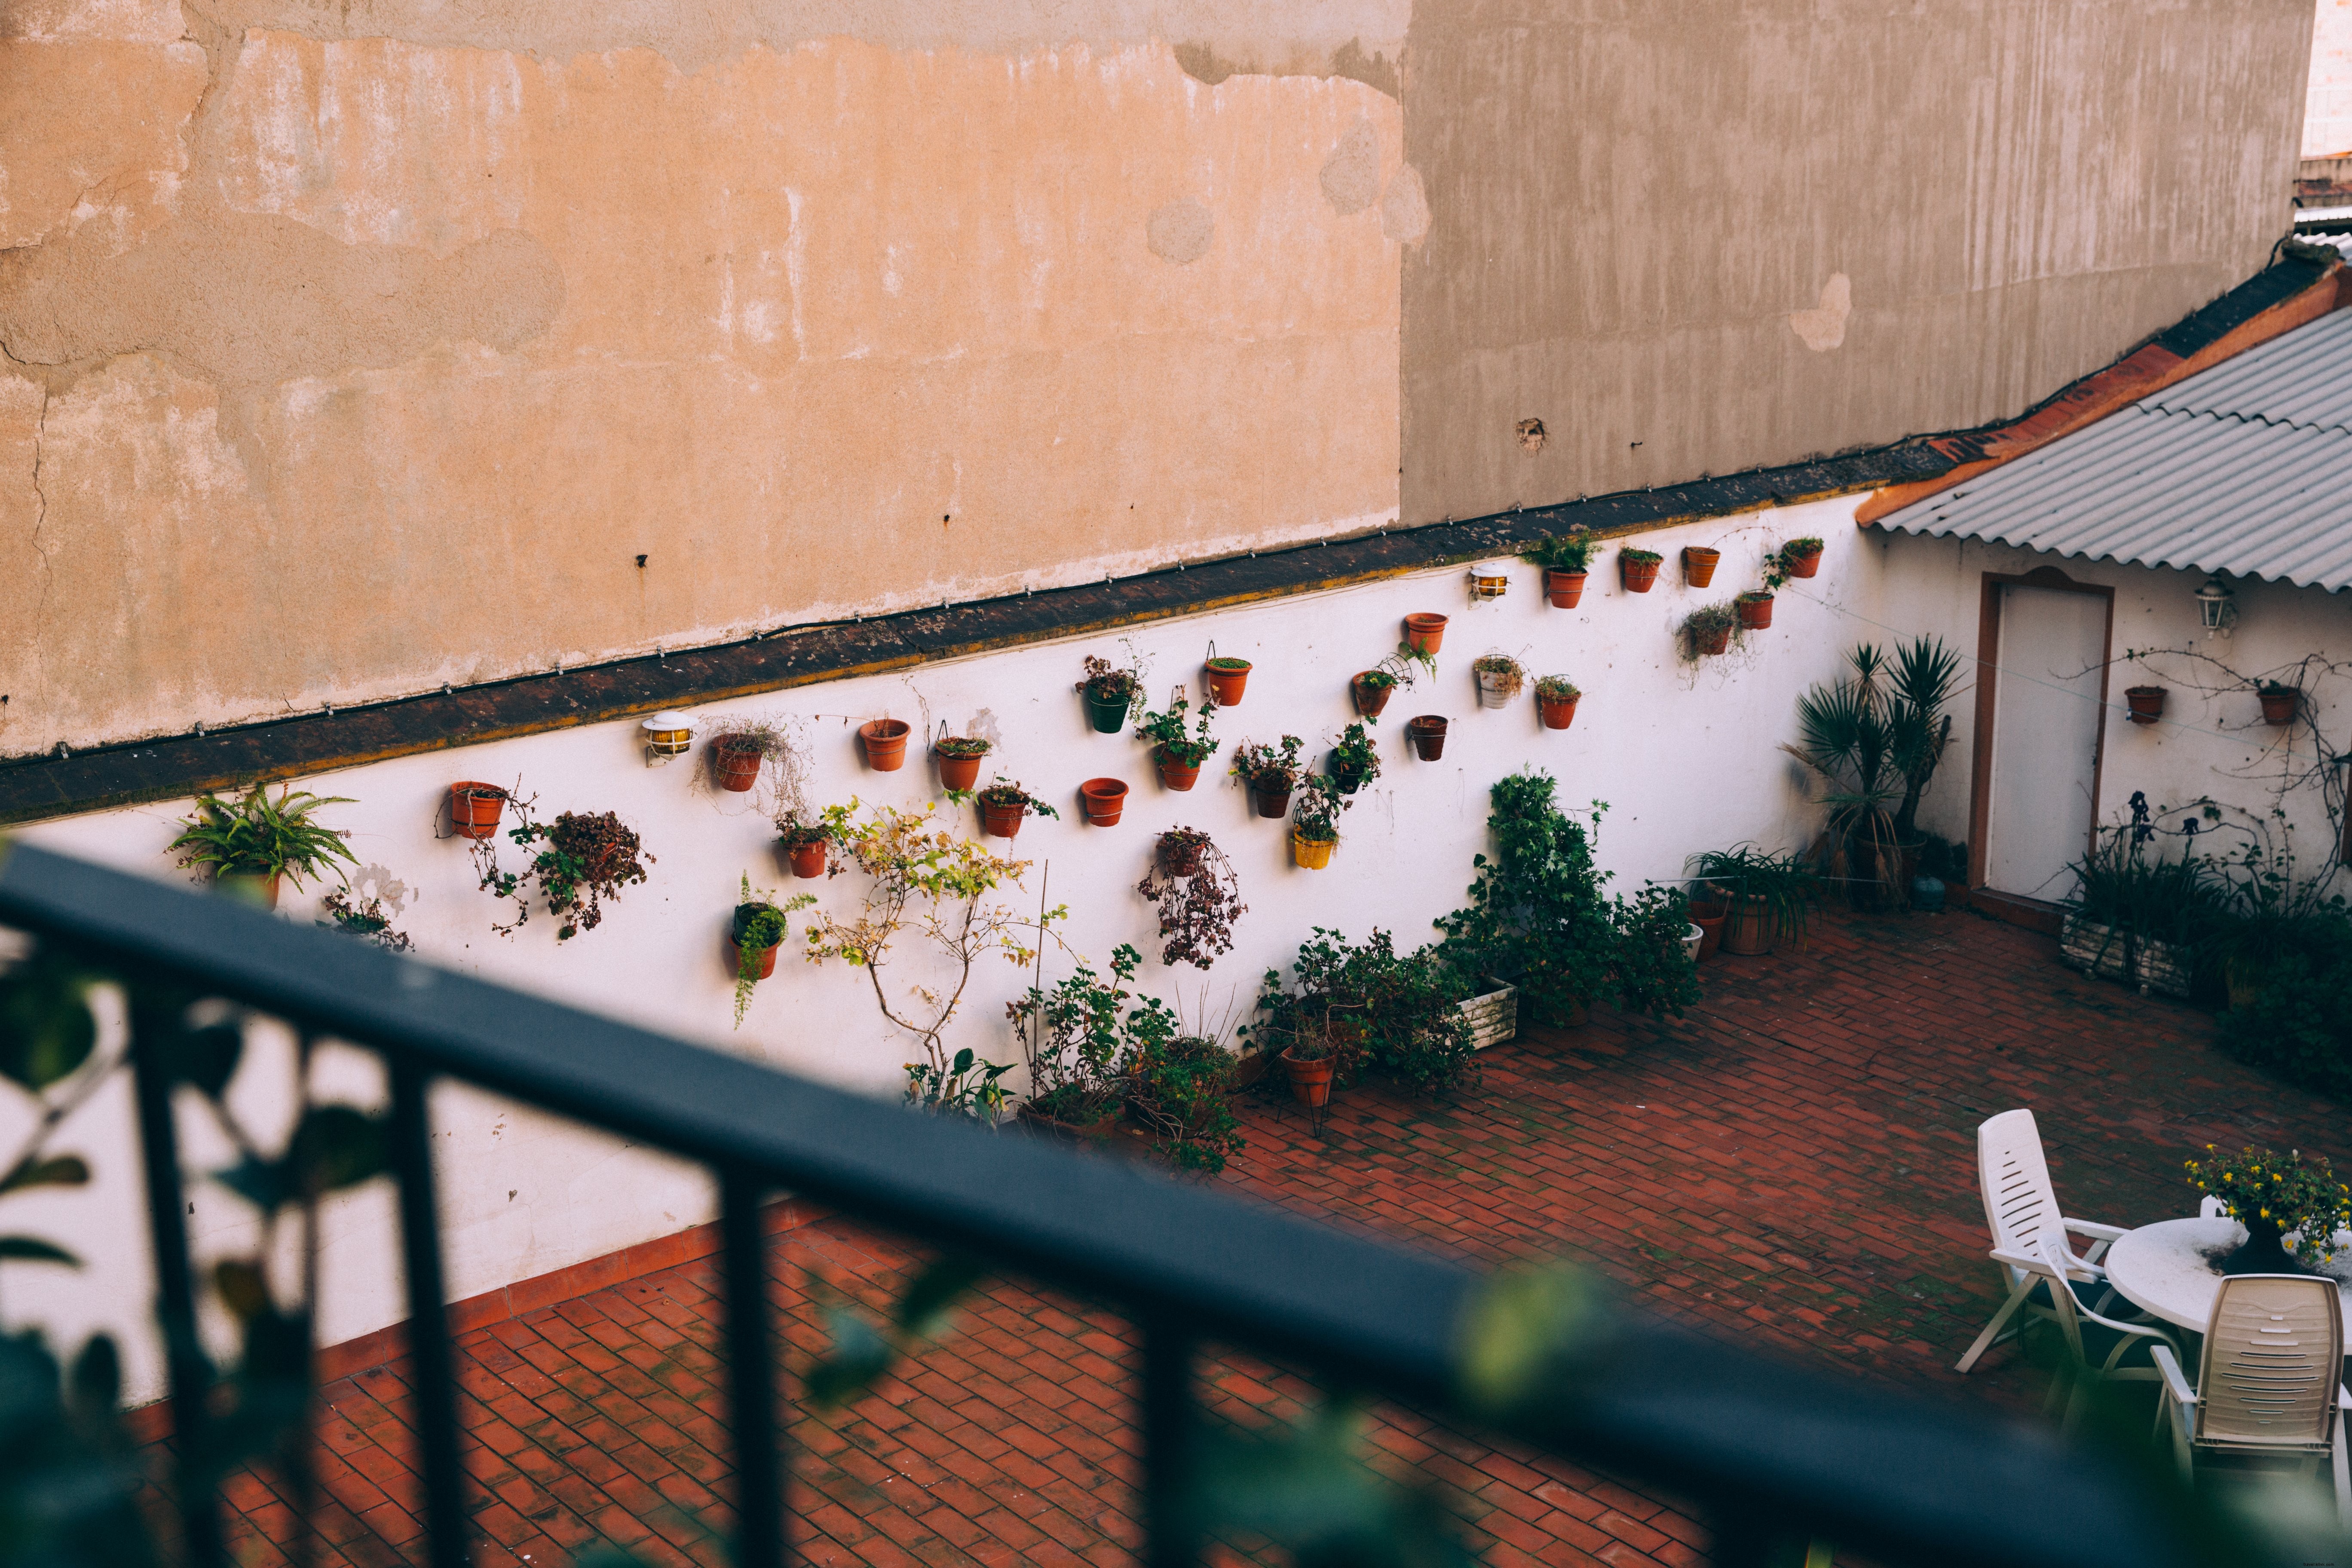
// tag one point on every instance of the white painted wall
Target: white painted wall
(1686, 757)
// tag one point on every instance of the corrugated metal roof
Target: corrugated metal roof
(2245, 468)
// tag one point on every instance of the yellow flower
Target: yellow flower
(2266, 1214)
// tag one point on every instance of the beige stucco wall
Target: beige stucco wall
(353, 350)
(1744, 234)
(2327, 104)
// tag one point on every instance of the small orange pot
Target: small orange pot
(1001, 821)
(1804, 565)
(885, 743)
(1175, 774)
(1755, 614)
(1637, 575)
(738, 770)
(1709, 919)
(1370, 699)
(1698, 565)
(958, 773)
(808, 858)
(1427, 733)
(1425, 633)
(474, 808)
(1564, 589)
(1310, 1082)
(1226, 686)
(767, 964)
(2145, 702)
(1558, 712)
(2278, 707)
(1104, 800)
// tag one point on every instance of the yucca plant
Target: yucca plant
(1875, 739)
(261, 838)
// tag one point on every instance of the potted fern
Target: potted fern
(250, 845)
(1567, 561)
(1179, 756)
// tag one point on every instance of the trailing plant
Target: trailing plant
(1272, 768)
(2293, 1192)
(759, 925)
(1355, 762)
(939, 889)
(583, 858)
(1504, 674)
(1178, 1092)
(781, 742)
(768, 738)
(256, 837)
(364, 918)
(1556, 688)
(1198, 908)
(1365, 1003)
(1081, 1040)
(1396, 668)
(1314, 811)
(1874, 739)
(1708, 619)
(1166, 730)
(1787, 884)
(1570, 552)
(1006, 793)
(1108, 682)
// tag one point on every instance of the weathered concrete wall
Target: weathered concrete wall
(1698, 239)
(353, 350)
(2327, 103)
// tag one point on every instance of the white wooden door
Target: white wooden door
(2045, 739)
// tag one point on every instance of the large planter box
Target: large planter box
(1494, 1016)
(2110, 954)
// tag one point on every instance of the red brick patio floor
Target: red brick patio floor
(1792, 1164)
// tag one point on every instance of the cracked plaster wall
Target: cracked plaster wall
(355, 348)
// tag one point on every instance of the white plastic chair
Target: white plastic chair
(2269, 1380)
(2030, 1242)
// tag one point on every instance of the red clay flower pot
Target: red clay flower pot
(1558, 712)
(1755, 614)
(1713, 640)
(260, 889)
(1178, 857)
(1104, 800)
(767, 964)
(808, 858)
(1175, 774)
(1310, 1082)
(474, 808)
(1425, 633)
(1564, 589)
(1427, 733)
(1637, 575)
(1270, 802)
(1698, 565)
(2278, 707)
(1370, 699)
(958, 773)
(885, 743)
(1226, 686)
(2145, 702)
(1709, 919)
(1001, 820)
(738, 770)
(1804, 565)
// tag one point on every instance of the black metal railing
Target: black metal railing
(1770, 1453)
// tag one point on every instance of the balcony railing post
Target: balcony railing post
(189, 1370)
(1171, 1539)
(433, 1374)
(751, 1374)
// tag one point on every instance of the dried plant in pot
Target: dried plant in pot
(741, 748)
(1178, 754)
(1567, 562)
(2279, 702)
(958, 758)
(1113, 692)
(251, 843)
(1638, 569)
(579, 861)
(1269, 773)
(1197, 895)
(2144, 704)
(1708, 629)
(1801, 557)
(1556, 698)
(1354, 761)
(1500, 679)
(475, 808)
(1003, 804)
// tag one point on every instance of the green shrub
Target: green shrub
(1180, 1092)
(2299, 1024)
(1407, 1004)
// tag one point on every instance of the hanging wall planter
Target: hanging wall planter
(1311, 854)
(1801, 557)
(2279, 703)
(958, 758)
(885, 743)
(1564, 589)
(735, 760)
(1271, 773)
(1179, 852)
(1112, 692)
(1002, 806)
(1227, 677)
(1638, 569)
(1272, 799)
(474, 808)
(2146, 703)
(1425, 633)
(806, 850)
(1709, 629)
(762, 964)
(1500, 679)
(1427, 733)
(1372, 698)
(1699, 564)
(1104, 800)
(1556, 702)
(1175, 774)
(1755, 610)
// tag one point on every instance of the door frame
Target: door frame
(2039, 914)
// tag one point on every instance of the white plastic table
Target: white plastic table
(2163, 1269)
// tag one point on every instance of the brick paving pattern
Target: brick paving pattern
(1793, 1164)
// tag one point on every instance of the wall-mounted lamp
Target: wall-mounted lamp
(2216, 607)
(1490, 579)
(668, 735)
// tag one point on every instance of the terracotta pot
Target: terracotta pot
(1107, 714)
(1312, 854)
(2145, 702)
(259, 890)
(958, 773)
(1747, 931)
(2278, 707)
(1427, 733)
(1000, 820)
(1371, 701)
(807, 859)
(1104, 800)
(1709, 919)
(1558, 712)
(1175, 774)
(1425, 633)
(1270, 802)
(1494, 689)
(1804, 565)
(1714, 640)
(474, 808)
(1178, 857)
(1564, 589)
(1698, 565)
(1636, 576)
(885, 743)
(1226, 686)
(738, 770)
(1310, 1082)
(765, 967)
(1755, 614)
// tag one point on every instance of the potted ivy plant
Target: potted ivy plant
(1709, 629)
(1802, 557)
(1638, 569)
(1567, 562)
(1003, 804)
(1113, 693)
(1270, 773)
(1315, 821)
(737, 750)
(1425, 633)
(1355, 762)
(753, 935)
(959, 759)
(1556, 698)
(252, 844)
(1228, 677)
(1179, 756)
(1501, 678)
(1770, 896)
